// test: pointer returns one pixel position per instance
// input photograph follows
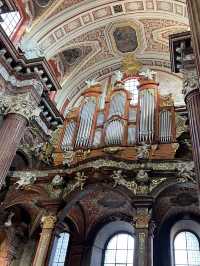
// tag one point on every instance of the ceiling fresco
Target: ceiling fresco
(88, 39)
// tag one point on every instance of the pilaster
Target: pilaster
(48, 223)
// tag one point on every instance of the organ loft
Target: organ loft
(99, 133)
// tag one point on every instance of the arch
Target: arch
(191, 228)
(103, 236)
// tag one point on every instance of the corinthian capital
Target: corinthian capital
(48, 222)
(191, 81)
(22, 104)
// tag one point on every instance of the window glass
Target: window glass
(61, 250)
(10, 21)
(186, 249)
(131, 86)
(120, 251)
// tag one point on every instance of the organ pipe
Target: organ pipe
(165, 124)
(68, 136)
(85, 126)
(117, 105)
(147, 111)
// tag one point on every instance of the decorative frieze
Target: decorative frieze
(141, 185)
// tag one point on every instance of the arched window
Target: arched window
(119, 250)
(59, 250)
(131, 86)
(186, 249)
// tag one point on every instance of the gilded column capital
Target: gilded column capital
(48, 222)
(142, 218)
(22, 104)
(191, 81)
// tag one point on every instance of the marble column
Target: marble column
(17, 111)
(192, 99)
(48, 223)
(141, 221)
(193, 7)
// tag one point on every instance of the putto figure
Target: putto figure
(25, 180)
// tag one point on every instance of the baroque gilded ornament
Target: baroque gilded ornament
(130, 66)
(186, 172)
(142, 218)
(80, 179)
(142, 184)
(48, 221)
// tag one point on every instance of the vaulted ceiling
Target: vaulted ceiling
(86, 39)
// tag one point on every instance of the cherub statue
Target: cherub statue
(186, 172)
(118, 75)
(143, 151)
(80, 178)
(25, 180)
(55, 188)
(57, 181)
(119, 180)
(117, 176)
(91, 82)
(148, 73)
(142, 177)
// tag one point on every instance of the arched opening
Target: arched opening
(186, 249)
(59, 249)
(114, 245)
(120, 250)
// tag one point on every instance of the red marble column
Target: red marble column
(11, 133)
(193, 106)
(193, 7)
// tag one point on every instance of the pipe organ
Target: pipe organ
(122, 122)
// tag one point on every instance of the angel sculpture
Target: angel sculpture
(25, 180)
(143, 151)
(186, 172)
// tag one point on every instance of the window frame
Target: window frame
(112, 236)
(183, 225)
(54, 248)
(17, 25)
(104, 235)
(132, 93)
(184, 231)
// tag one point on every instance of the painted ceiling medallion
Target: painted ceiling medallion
(126, 39)
(71, 56)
